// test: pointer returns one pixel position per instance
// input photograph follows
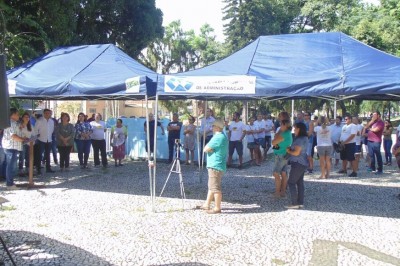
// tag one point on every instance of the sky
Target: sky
(195, 13)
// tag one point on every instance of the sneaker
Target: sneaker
(342, 172)
(389, 164)
(385, 163)
(301, 206)
(293, 207)
(310, 171)
(353, 174)
(370, 170)
(378, 173)
(13, 187)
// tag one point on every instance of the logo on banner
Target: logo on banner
(132, 85)
(177, 84)
(211, 84)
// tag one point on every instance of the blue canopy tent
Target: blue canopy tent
(101, 71)
(85, 72)
(331, 65)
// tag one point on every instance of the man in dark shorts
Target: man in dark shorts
(347, 138)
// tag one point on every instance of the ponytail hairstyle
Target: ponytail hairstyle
(323, 121)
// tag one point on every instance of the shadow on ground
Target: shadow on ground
(244, 191)
(29, 248)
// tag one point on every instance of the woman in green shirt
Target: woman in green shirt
(282, 140)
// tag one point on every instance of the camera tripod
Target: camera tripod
(176, 168)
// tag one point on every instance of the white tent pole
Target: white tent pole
(198, 134)
(204, 140)
(148, 154)
(155, 147)
(335, 109)
(292, 111)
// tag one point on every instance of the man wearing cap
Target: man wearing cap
(216, 150)
(375, 132)
(174, 132)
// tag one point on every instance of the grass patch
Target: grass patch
(42, 225)
(278, 262)
(8, 208)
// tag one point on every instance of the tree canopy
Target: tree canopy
(37, 26)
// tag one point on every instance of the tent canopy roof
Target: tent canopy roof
(331, 65)
(82, 72)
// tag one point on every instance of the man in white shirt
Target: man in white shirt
(237, 131)
(269, 128)
(206, 131)
(44, 129)
(98, 140)
(348, 139)
(336, 130)
(261, 126)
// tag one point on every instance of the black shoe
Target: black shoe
(353, 174)
(50, 171)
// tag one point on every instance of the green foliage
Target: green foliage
(37, 26)
(250, 19)
(181, 50)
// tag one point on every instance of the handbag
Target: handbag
(338, 147)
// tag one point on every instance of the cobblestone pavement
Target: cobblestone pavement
(105, 217)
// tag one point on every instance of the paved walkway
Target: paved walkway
(104, 217)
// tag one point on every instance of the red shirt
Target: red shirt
(376, 136)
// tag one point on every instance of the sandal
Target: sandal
(213, 211)
(201, 207)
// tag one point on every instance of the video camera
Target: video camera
(178, 143)
(276, 147)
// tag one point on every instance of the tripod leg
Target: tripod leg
(169, 175)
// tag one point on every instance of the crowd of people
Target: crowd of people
(349, 140)
(49, 135)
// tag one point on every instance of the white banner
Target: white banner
(12, 85)
(211, 84)
(132, 85)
